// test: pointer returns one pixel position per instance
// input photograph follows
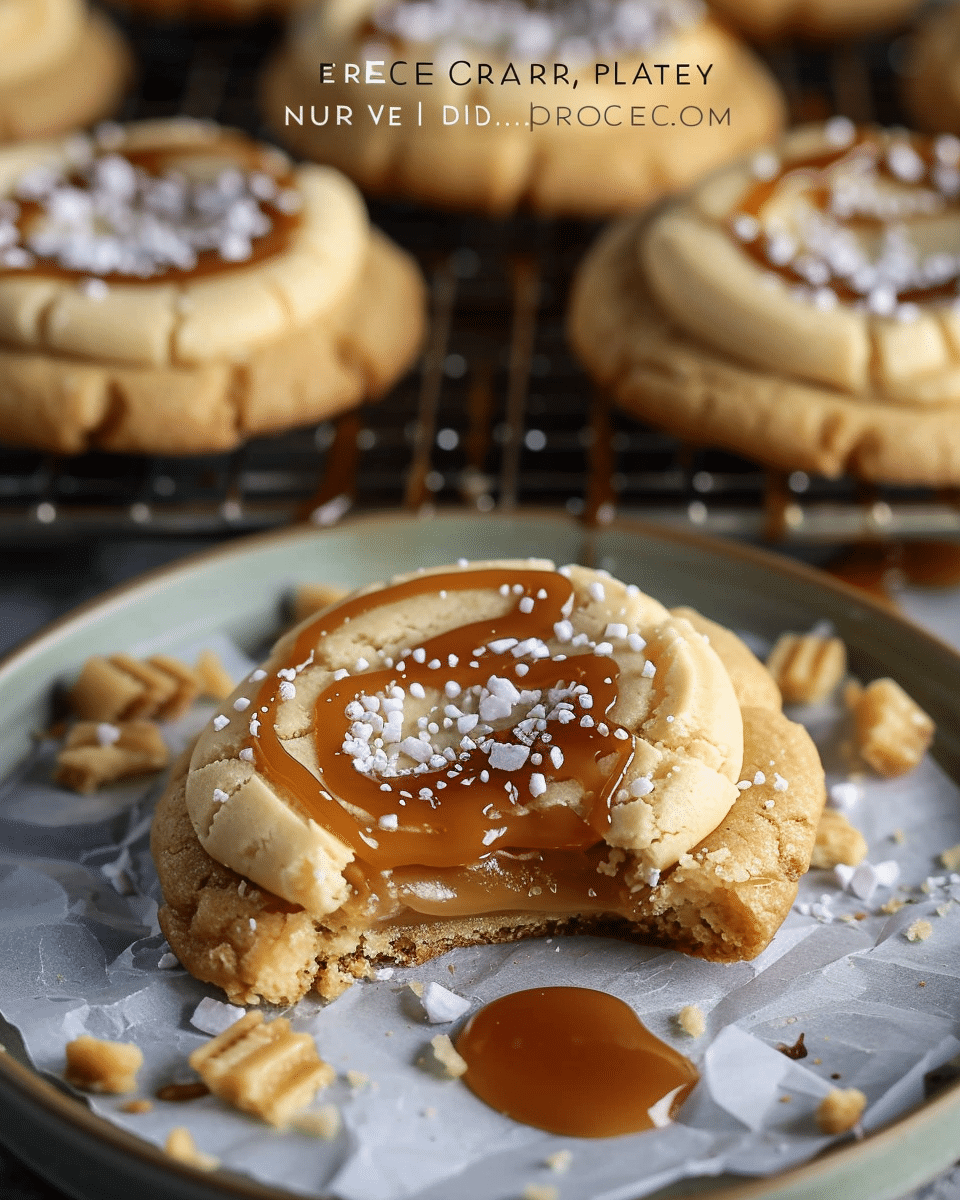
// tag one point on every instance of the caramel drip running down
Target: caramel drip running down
(572, 1061)
(813, 168)
(452, 815)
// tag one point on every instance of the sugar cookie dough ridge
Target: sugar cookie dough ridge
(660, 373)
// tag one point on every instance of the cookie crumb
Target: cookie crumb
(893, 905)
(797, 1051)
(181, 1146)
(951, 858)
(212, 676)
(100, 1066)
(446, 1056)
(325, 1123)
(263, 1067)
(539, 1191)
(137, 1106)
(356, 1079)
(89, 761)
(840, 1110)
(691, 1020)
(310, 598)
(559, 1161)
(838, 842)
(807, 667)
(892, 730)
(919, 931)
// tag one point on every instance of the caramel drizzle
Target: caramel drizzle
(573, 1061)
(812, 167)
(245, 155)
(449, 827)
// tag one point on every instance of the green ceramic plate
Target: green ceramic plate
(240, 590)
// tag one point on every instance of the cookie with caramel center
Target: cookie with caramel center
(477, 754)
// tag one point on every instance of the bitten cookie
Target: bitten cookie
(931, 77)
(800, 307)
(173, 287)
(61, 67)
(587, 108)
(479, 754)
(767, 20)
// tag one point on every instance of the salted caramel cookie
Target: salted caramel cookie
(800, 307)
(61, 67)
(931, 76)
(587, 108)
(478, 754)
(173, 287)
(768, 20)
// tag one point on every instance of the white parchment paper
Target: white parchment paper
(81, 950)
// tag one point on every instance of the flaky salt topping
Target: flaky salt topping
(572, 32)
(101, 214)
(877, 185)
(464, 720)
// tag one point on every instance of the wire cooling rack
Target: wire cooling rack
(497, 414)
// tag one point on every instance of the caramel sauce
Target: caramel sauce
(572, 1061)
(879, 568)
(812, 168)
(228, 151)
(544, 858)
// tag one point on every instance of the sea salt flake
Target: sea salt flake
(442, 1006)
(213, 1016)
(508, 756)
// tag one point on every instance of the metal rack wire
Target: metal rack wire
(497, 414)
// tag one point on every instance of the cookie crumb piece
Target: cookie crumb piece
(310, 598)
(88, 760)
(212, 676)
(137, 1106)
(838, 842)
(540, 1191)
(186, 687)
(446, 1057)
(893, 732)
(893, 905)
(324, 1123)
(417, 988)
(181, 1146)
(357, 1079)
(263, 1067)
(104, 691)
(797, 1051)
(840, 1110)
(97, 1066)
(559, 1161)
(807, 667)
(919, 931)
(951, 858)
(691, 1020)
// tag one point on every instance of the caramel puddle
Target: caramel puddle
(571, 1061)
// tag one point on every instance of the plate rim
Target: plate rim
(64, 1108)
